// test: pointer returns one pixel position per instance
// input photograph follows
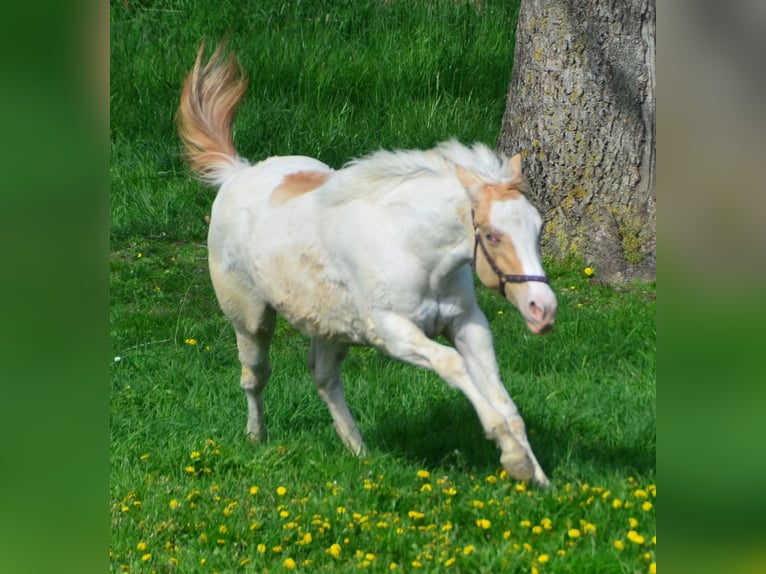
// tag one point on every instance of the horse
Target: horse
(378, 253)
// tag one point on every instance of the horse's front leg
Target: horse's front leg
(472, 338)
(498, 415)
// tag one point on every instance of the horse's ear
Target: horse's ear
(514, 166)
(470, 180)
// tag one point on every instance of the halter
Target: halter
(504, 277)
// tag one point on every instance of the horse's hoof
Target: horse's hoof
(257, 437)
(518, 467)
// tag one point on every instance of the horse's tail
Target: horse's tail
(209, 100)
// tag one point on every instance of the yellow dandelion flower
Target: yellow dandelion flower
(573, 533)
(588, 528)
(281, 491)
(417, 564)
(451, 491)
(334, 550)
(525, 524)
(588, 271)
(619, 544)
(653, 568)
(521, 487)
(647, 506)
(393, 566)
(633, 522)
(527, 547)
(617, 503)
(491, 479)
(146, 557)
(141, 546)
(537, 530)
(640, 493)
(468, 549)
(654, 540)
(190, 470)
(261, 548)
(382, 524)
(426, 488)
(289, 563)
(284, 513)
(305, 539)
(546, 523)
(341, 510)
(561, 552)
(534, 570)
(191, 342)
(506, 534)
(245, 561)
(369, 556)
(447, 526)
(277, 549)
(543, 558)
(173, 504)
(423, 474)
(254, 490)
(449, 562)
(483, 523)
(635, 537)
(223, 529)
(415, 515)
(139, 255)
(194, 455)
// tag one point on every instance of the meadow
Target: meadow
(335, 80)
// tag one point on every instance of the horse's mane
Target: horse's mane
(370, 174)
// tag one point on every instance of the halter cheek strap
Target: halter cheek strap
(504, 277)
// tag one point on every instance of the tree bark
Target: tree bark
(581, 110)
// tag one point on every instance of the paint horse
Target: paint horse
(377, 253)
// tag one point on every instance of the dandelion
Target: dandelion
(423, 474)
(640, 493)
(616, 503)
(369, 556)
(451, 491)
(521, 487)
(491, 479)
(190, 342)
(468, 549)
(635, 537)
(144, 457)
(139, 255)
(506, 534)
(574, 533)
(646, 506)
(277, 549)
(261, 548)
(173, 504)
(483, 523)
(426, 488)
(393, 566)
(633, 522)
(588, 271)
(141, 546)
(546, 523)
(146, 557)
(334, 550)
(281, 491)
(525, 524)
(543, 558)
(653, 568)
(254, 490)
(289, 563)
(190, 469)
(537, 530)
(415, 515)
(417, 564)
(619, 544)
(195, 455)
(449, 562)
(284, 513)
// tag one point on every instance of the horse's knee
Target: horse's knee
(255, 378)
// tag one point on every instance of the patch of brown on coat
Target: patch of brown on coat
(296, 184)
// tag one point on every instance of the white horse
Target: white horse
(378, 253)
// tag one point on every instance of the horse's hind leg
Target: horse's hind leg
(325, 361)
(253, 343)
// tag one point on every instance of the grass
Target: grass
(188, 494)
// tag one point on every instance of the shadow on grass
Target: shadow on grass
(451, 437)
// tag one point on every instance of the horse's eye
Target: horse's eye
(492, 238)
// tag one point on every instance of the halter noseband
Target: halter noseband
(504, 277)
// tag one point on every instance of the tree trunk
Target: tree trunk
(581, 110)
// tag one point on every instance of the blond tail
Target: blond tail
(209, 100)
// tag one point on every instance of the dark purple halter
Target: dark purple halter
(504, 277)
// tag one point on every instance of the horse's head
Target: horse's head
(507, 243)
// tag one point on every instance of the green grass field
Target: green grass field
(336, 80)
